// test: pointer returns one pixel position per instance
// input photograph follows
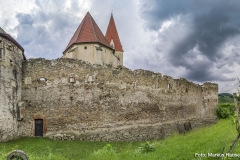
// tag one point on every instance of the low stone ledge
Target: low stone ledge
(63, 137)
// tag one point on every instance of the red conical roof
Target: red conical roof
(112, 34)
(88, 31)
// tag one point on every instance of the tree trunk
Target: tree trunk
(237, 111)
(238, 122)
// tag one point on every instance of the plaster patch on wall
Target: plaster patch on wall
(28, 80)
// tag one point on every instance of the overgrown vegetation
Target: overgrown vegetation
(146, 147)
(226, 107)
(225, 110)
(206, 140)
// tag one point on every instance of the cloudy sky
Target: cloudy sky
(193, 39)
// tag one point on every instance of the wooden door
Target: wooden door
(39, 127)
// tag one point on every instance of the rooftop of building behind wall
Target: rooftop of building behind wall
(9, 38)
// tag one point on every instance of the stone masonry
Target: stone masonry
(11, 58)
(81, 101)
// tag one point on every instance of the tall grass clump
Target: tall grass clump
(146, 147)
(105, 153)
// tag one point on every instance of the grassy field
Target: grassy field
(182, 147)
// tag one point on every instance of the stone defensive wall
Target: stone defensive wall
(10, 88)
(80, 101)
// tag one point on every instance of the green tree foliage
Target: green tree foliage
(224, 110)
(226, 98)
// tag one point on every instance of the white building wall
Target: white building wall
(93, 53)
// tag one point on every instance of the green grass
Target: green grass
(182, 147)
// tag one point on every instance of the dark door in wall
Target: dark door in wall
(39, 127)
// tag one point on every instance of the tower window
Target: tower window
(85, 47)
(112, 45)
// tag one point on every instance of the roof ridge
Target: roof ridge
(81, 27)
(93, 28)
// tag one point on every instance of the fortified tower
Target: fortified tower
(89, 44)
(11, 57)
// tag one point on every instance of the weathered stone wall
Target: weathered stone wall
(10, 88)
(106, 103)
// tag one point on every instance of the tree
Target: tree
(237, 117)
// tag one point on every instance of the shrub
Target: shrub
(222, 113)
(146, 147)
(230, 106)
(106, 153)
(224, 110)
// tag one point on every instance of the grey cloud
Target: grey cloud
(157, 11)
(46, 33)
(211, 30)
(212, 24)
(25, 19)
(203, 71)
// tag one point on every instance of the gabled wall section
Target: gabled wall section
(100, 103)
